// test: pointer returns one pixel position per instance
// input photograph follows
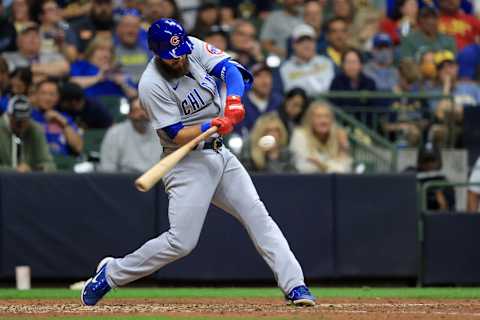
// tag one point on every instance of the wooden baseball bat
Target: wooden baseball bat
(147, 180)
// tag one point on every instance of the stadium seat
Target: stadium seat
(93, 140)
(471, 133)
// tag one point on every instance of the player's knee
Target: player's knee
(182, 245)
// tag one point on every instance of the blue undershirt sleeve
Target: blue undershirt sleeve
(172, 130)
(232, 77)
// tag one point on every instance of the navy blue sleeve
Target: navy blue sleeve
(231, 75)
(172, 130)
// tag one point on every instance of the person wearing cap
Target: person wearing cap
(98, 22)
(131, 48)
(42, 64)
(465, 28)
(306, 69)
(23, 146)
(261, 99)
(278, 27)
(427, 37)
(381, 68)
(465, 93)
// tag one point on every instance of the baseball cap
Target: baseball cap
(19, 107)
(440, 57)
(382, 40)
(303, 31)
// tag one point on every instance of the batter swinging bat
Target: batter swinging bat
(155, 173)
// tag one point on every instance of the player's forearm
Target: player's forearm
(186, 134)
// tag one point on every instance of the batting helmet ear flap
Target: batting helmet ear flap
(247, 75)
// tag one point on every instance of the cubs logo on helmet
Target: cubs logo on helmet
(168, 39)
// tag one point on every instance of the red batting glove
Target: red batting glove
(224, 125)
(234, 109)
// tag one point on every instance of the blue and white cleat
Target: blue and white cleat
(95, 288)
(301, 296)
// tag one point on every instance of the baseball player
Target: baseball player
(180, 92)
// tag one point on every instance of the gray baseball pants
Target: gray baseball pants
(200, 178)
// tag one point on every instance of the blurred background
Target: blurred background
(374, 170)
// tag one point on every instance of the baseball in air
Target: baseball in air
(267, 142)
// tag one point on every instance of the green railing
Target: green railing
(367, 146)
(376, 116)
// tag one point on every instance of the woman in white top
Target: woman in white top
(319, 145)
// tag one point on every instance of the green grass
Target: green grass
(401, 293)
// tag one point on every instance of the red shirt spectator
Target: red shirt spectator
(454, 22)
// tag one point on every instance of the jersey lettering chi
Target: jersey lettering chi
(191, 99)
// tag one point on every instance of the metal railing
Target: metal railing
(393, 106)
(367, 145)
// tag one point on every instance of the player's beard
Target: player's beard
(173, 71)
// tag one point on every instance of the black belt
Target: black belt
(215, 144)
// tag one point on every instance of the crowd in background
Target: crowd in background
(60, 58)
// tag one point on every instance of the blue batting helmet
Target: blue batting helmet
(168, 40)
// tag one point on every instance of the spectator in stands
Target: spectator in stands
(156, 9)
(469, 62)
(276, 159)
(88, 113)
(453, 21)
(427, 37)
(293, 108)
(381, 68)
(21, 82)
(261, 99)
(448, 112)
(429, 166)
(61, 131)
(98, 22)
(313, 16)
(305, 69)
(473, 200)
(55, 34)
(207, 17)
(23, 146)
(364, 28)
(8, 34)
(403, 20)
(343, 9)
(320, 145)
(131, 49)
(42, 64)
(406, 125)
(132, 145)
(21, 17)
(428, 69)
(337, 40)
(278, 27)
(218, 38)
(243, 44)
(98, 74)
(352, 78)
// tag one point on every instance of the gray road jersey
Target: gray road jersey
(191, 99)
